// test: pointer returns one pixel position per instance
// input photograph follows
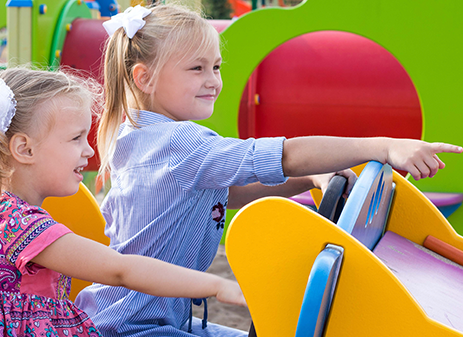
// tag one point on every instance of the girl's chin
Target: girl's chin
(204, 114)
(79, 176)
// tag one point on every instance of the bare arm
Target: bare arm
(242, 195)
(312, 155)
(75, 256)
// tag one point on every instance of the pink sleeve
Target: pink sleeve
(46, 238)
(28, 230)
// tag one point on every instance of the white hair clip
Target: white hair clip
(131, 20)
(7, 106)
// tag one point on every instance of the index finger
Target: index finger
(444, 147)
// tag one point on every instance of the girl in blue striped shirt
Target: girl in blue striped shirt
(172, 180)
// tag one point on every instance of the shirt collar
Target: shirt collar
(145, 118)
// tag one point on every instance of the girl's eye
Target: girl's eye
(76, 138)
(217, 67)
(197, 68)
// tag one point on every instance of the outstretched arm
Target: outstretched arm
(75, 256)
(312, 155)
(307, 160)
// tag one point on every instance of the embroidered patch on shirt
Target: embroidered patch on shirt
(218, 213)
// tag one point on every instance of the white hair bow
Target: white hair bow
(131, 20)
(7, 106)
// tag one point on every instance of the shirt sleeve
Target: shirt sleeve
(29, 234)
(201, 159)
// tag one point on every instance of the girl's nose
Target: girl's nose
(213, 81)
(88, 151)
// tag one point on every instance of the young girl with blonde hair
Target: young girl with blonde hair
(45, 118)
(172, 180)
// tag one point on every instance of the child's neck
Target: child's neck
(24, 190)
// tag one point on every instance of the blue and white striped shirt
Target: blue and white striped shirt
(168, 196)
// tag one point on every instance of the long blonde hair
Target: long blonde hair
(169, 30)
(31, 89)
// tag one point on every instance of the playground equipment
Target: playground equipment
(330, 83)
(37, 29)
(273, 245)
(239, 7)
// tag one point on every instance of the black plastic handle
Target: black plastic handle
(333, 202)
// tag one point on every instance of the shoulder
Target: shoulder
(13, 206)
(16, 216)
(192, 133)
(193, 128)
(25, 230)
(192, 139)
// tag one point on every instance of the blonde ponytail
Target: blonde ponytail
(116, 98)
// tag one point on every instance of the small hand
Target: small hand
(230, 293)
(321, 181)
(419, 158)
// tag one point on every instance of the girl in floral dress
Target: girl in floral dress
(45, 118)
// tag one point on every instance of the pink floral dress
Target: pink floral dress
(34, 301)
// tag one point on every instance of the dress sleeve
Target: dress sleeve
(26, 234)
(201, 159)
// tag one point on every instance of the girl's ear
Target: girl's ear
(21, 148)
(142, 78)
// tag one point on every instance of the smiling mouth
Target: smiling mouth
(78, 169)
(207, 96)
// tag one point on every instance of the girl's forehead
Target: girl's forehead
(211, 52)
(61, 107)
(198, 46)
(65, 104)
